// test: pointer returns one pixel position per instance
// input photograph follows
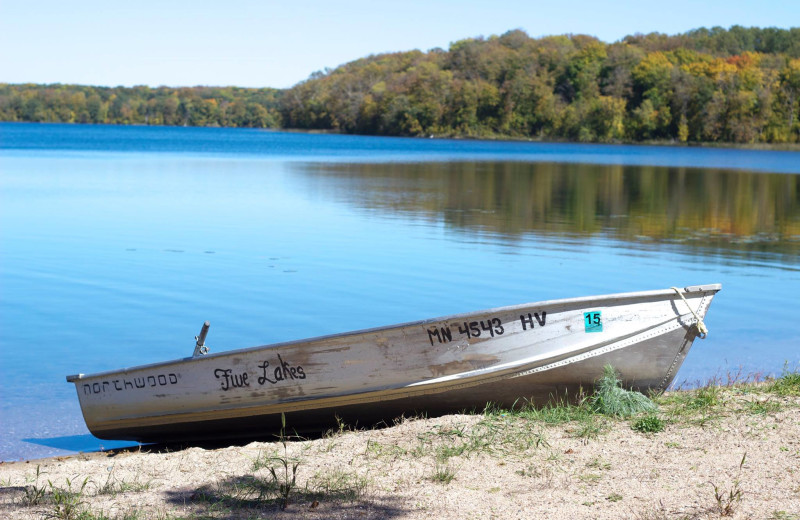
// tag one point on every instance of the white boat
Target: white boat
(504, 356)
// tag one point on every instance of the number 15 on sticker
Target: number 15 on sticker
(593, 321)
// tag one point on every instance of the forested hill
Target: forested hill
(739, 85)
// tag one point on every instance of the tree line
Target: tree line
(189, 106)
(737, 85)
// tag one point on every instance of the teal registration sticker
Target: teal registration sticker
(593, 321)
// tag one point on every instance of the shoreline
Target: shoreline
(664, 143)
(730, 451)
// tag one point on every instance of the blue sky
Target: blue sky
(264, 43)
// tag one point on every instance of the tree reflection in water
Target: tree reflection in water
(708, 210)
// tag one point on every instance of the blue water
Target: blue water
(116, 243)
(246, 143)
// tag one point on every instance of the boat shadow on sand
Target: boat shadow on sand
(88, 444)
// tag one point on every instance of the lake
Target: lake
(116, 243)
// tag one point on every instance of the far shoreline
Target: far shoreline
(665, 143)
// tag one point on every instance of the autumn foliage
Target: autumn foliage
(737, 85)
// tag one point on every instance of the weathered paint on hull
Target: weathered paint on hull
(504, 356)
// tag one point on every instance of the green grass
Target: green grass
(706, 405)
(786, 385)
(274, 482)
(763, 406)
(133, 514)
(282, 469)
(580, 420)
(590, 478)
(114, 486)
(706, 398)
(727, 500)
(258, 493)
(443, 473)
(35, 493)
(612, 400)
(555, 412)
(498, 432)
(337, 484)
(702, 406)
(650, 423)
(384, 450)
(599, 463)
(589, 428)
(699, 407)
(586, 419)
(68, 503)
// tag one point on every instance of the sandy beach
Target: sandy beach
(721, 452)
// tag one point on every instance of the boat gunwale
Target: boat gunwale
(453, 317)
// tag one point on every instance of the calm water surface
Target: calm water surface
(116, 243)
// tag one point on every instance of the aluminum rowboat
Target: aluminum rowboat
(504, 356)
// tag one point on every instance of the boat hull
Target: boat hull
(505, 356)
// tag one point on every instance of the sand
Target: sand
(739, 458)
